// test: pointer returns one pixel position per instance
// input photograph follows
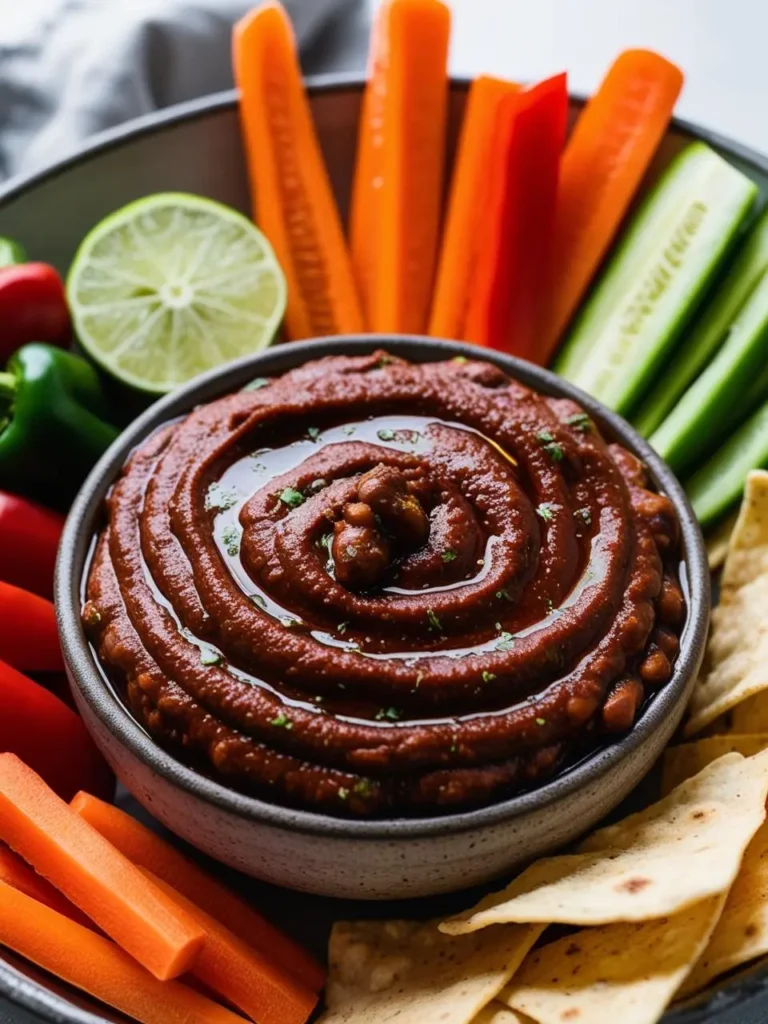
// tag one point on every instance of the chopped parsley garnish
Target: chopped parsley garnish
(449, 556)
(258, 600)
(231, 539)
(383, 361)
(541, 721)
(342, 793)
(554, 451)
(388, 714)
(580, 421)
(314, 433)
(547, 510)
(209, 657)
(292, 498)
(364, 787)
(219, 498)
(585, 515)
(349, 431)
(385, 435)
(256, 384)
(551, 446)
(282, 721)
(326, 541)
(488, 677)
(506, 642)
(433, 620)
(503, 595)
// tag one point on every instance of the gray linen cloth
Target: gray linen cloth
(70, 68)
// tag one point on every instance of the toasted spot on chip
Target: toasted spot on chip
(633, 884)
(681, 858)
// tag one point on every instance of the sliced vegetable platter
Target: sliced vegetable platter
(637, 265)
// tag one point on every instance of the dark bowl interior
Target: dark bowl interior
(50, 212)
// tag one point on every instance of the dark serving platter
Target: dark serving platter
(196, 147)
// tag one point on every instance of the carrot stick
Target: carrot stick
(398, 187)
(512, 269)
(469, 193)
(291, 192)
(90, 872)
(140, 845)
(13, 871)
(229, 966)
(607, 155)
(95, 965)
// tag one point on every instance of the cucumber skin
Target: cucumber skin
(698, 172)
(702, 416)
(604, 293)
(711, 329)
(715, 488)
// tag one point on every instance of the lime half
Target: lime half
(173, 285)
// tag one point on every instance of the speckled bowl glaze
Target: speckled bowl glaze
(366, 859)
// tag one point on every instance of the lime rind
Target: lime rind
(173, 285)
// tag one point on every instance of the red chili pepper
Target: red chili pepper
(29, 541)
(33, 307)
(29, 640)
(508, 303)
(50, 738)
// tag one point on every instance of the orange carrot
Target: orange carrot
(91, 873)
(13, 871)
(398, 187)
(229, 966)
(469, 193)
(291, 192)
(149, 851)
(95, 965)
(607, 155)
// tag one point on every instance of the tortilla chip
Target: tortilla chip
(615, 974)
(736, 666)
(719, 541)
(681, 850)
(406, 972)
(497, 1013)
(751, 716)
(741, 933)
(688, 759)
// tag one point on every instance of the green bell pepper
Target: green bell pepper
(53, 424)
(11, 253)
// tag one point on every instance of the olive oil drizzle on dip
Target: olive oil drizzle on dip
(374, 588)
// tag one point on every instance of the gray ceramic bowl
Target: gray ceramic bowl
(321, 854)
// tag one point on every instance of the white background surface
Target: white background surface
(721, 45)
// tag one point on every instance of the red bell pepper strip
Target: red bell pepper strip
(33, 307)
(29, 640)
(29, 541)
(50, 738)
(508, 301)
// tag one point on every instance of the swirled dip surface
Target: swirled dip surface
(375, 588)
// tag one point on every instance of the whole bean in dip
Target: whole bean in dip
(373, 588)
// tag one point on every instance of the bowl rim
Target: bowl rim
(104, 704)
(318, 84)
